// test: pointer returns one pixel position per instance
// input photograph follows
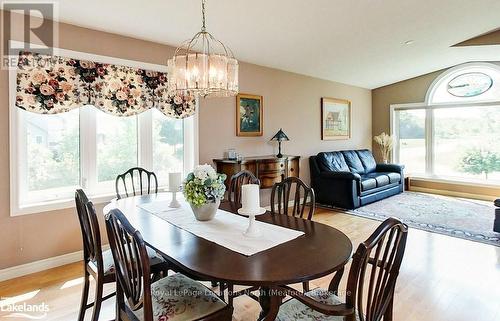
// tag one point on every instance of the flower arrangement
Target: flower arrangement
(204, 185)
(385, 142)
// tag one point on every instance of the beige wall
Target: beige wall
(291, 101)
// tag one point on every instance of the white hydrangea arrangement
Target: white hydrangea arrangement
(204, 185)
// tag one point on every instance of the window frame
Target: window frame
(88, 142)
(429, 108)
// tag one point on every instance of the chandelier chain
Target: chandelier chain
(203, 27)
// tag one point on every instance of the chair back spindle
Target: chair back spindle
(295, 190)
(376, 265)
(237, 180)
(136, 181)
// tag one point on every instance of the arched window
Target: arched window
(455, 133)
(467, 83)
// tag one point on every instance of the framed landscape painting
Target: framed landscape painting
(249, 111)
(335, 119)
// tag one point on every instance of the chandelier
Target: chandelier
(203, 66)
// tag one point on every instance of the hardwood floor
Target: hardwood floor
(442, 279)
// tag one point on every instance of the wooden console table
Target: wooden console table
(268, 169)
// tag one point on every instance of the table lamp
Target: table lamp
(280, 137)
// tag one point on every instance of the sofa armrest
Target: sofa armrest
(341, 175)
(396, 168)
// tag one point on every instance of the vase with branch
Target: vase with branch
(385, 143)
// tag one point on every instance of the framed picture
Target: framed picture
(335, 119)
(249, 111)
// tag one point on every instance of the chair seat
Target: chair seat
(296, 310)
(178, 297)
(109, 264)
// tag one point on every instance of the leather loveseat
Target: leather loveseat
(351, 178)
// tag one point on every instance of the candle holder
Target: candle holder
(174, 181)
(252, 230)
(174, 203)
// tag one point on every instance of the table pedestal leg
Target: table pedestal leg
(270, 301)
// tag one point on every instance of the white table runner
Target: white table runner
(226, 229)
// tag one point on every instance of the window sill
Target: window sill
(60, 204)
(455, 181)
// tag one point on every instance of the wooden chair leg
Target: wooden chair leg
(222, 288)
(97, 299)
(85, 295)
(230, 296)
(305, 285)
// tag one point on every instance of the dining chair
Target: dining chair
(237, 180)
(370, 285)
(303, 198)
(136, 181)
(98, 263)
(174, 297)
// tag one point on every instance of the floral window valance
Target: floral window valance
(53, 84)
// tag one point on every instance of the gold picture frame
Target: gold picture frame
(249, 115)
(335, 119)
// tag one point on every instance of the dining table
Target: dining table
(319, 251)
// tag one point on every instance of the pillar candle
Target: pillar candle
(174, 181)
(250, 198)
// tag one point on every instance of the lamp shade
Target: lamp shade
(280, 136)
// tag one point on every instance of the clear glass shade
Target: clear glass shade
(203, 73)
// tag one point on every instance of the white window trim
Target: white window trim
(191, 150)
(429, 134)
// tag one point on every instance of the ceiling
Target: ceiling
(357, 42)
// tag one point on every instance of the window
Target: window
(168, 146)
(411, 142)
(89, 148)
(455, 135)
(52, 155)
(117, 148)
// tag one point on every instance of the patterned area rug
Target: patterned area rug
(458, 217)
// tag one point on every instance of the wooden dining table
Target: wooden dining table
(320, 251)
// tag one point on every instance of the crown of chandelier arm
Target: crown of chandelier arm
(203, 66)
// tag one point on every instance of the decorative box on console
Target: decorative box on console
(268, 169)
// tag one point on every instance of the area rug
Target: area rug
(458, 217)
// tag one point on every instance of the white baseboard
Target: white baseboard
(41, 265)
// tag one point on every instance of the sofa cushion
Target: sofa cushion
(368, 183)
(366, 157)
(332, 161)
(353, 161)
(393, 177)
(381, 178)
